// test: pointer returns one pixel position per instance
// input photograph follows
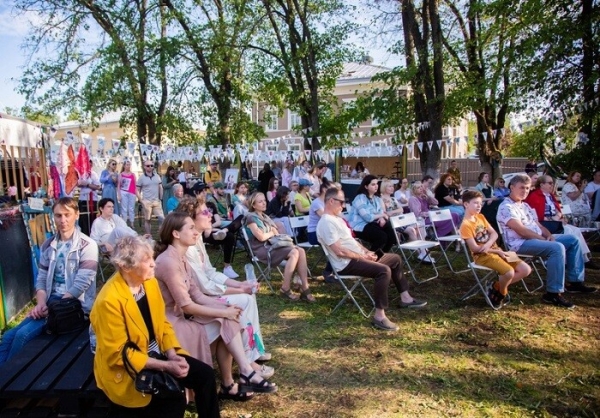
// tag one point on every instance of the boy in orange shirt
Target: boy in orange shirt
(481, 240)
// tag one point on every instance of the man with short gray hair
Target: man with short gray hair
(524, 234)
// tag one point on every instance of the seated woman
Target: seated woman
(392, 207)
(130, 308)
(419, 205)
(202, 324)
(273, 186)
(359, 171)
(226, 237)
(403, 193)
(260, 229)
(573, 195)
(547, 208)
(500, 189)
(447, 198)
(67, 269)
(174, 200)
(108, 227)
(368, 219)
(279, 209)
(220, 287)
(238, 200)
(302, 198)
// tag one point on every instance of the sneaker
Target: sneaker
(426, 259)
(229, 272)
(579, 287)
(220, 235)
(591, 265)
(384, 324)
(557, 299)
(415, 304)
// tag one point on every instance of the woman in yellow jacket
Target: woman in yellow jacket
(123, 308)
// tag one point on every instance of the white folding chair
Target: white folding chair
(529, 259)
(412, 247)
(483, 283)
(104, 264)
(440, 215)
(358, 282)
(568, 213)
(297, 222)
(264, 269)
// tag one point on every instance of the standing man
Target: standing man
(455, 173)
(89, 188)
(348, 257)
(67, 269)
(150, 191)
(525, 235)
(531, 166)
(212, 175)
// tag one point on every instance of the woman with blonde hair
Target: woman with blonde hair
(260, 229)
(110, 180)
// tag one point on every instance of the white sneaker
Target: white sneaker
(426, 258)
(229, 272)
(220, 235)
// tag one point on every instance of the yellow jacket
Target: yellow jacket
(116, 317)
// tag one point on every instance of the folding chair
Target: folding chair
(103, 265)
(412, 247)
(594, 232)
(529, 259)
(302, 222)
(358, 282)
(440, 215)
(483, 283)
(264, 269)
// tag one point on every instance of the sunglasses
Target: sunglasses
(342, 201)
(148, 166)
(206, 212)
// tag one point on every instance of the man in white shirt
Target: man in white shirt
(348, 257)
(590, 190)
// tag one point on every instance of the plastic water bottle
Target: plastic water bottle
(92, 340)
(251, 277)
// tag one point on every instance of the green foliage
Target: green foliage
(529, 142)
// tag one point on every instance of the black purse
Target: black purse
(555, 227)
(65, 316)
(152, 382)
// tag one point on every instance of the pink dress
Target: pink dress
(179, 289)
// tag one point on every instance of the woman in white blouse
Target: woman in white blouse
(108, 227)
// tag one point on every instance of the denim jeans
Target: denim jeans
(459, 210)
(564, 251)
(15, 339)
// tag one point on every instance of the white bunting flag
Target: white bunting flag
(101, 143)
(484, 134)
(420, 145)
(115, 144)
(332, 154)
(296, 155)
(307, 153)
(439, 143)
(430, 145)
(400, 149)
(130, 147)
(87, 141)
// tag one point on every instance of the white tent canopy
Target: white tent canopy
(19, 132)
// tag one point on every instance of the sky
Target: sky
(13, 29)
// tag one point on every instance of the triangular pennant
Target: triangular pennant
(101, 143)
(307, 153)
(430, 145)
(332, 153)
(420, 145)
(484, 134)
(439, 143)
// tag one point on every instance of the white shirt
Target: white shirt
(591, 188)
(102, 228)
(402, 194)
(332, 229)
(521, 211)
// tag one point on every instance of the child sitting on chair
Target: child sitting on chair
(481, 240)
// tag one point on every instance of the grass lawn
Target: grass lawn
(452, 358)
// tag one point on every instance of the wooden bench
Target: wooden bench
(52, 375)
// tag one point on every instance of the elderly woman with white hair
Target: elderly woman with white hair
(173, 201)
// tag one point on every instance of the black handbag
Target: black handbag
(65, 316)
(555, 227)
(152, 382)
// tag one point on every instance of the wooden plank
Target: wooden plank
(22, 383)
(21, 161)
(12, 369)
(79, 374)
(59, 367)
(14, 169)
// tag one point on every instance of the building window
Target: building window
(295, 121)
(445, 132)
(271, 117)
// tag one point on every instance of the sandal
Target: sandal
(495, 296)
(266, 371)
(239, 396)
(264, 386)
(287, 294)
(264, 357)
(307, 296)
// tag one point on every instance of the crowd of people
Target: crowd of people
(168, 309)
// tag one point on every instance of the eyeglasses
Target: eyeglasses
(206, 212)
(342, 201)
(148, 166)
